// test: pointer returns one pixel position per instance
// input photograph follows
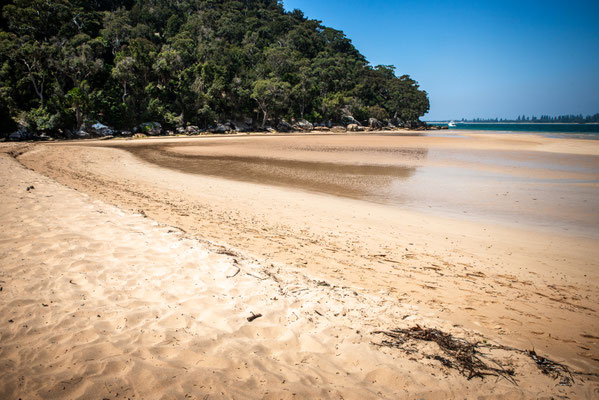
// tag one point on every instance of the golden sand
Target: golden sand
(140, 281)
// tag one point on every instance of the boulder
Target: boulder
(99, 130)
(241, 126)
(220, 128)
(191, 130)
(270, 129)
(21, 135)
(303, 125)
(150, 128)
(284, 126)
(81, 134)
(354, 128)
(126, 133)
(348, 119)
(374, 123)
(338, 128)
(139, 136)
(321, 129)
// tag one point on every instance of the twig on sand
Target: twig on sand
(226, 252)
(257, 277)
(235, 274)
(253, 317)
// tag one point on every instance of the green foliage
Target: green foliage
(199, 62)
(40, 120)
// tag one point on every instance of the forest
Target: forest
(560, 119)
(68, 64)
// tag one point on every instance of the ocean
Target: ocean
(579, 131)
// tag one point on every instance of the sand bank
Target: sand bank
(108, 300)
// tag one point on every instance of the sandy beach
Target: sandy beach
(131, 267)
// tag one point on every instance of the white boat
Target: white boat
(452, 124)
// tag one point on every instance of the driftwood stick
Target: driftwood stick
(253, 317)
(235, 274)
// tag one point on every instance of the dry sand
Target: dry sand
(124, 287)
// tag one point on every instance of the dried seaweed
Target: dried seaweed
(459, 353)
(552, 368)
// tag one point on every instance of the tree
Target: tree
(272, 96)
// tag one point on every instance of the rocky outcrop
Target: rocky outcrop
(100, 130)
(21, 135)
(284, 126)
(220, 128)
(242, 126)
(354, 128)
(303, 125)
(81, 134)
(192, 130)
(374, 123)
(350, 120)
(150, 128)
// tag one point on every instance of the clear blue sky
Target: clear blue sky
(479, 58)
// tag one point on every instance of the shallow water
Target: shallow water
(540, 189)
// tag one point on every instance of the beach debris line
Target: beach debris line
(253, 317)
(458, 353)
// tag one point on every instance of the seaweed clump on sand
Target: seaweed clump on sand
(552, 368)
(458, 353)
(466, 357)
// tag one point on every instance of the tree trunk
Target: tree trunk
(124, 92)
(78, 117)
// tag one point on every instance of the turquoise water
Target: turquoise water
(581, 131)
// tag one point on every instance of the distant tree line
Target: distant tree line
(564, 119)
(65, 63)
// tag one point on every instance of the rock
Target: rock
(374, 123)
(270, 129)
(139, 136)
(321, 129)
(338, 128)
(181, 130)
(241, 126)
(81, 134)
(303, 125)
(150, 128)
(99, 130)
(354, 128)
(22, 134)
(192, 130)
(45, 137)
(107, 137)
(220, 128)
(126, 133)
(348, 119)
(284, 126)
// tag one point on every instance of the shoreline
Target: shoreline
(439, 272)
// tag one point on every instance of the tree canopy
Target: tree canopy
(186, 62)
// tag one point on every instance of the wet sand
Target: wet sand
(389, 263)
(540, 189)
